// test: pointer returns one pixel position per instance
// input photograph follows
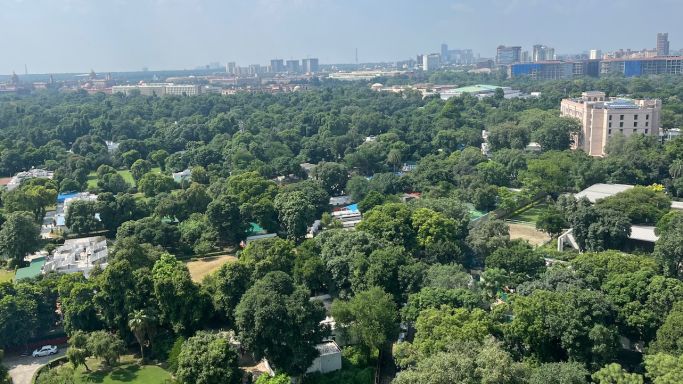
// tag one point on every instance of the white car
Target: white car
(45, 350)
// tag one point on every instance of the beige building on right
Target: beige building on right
(602, 118)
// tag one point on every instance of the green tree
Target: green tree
(152, 184)
(224, 215)
(392, 223)
(139, 168)
(268, 255)
(106, 346)
(19, 236)
(226, 287)
(159, 158)
(487, 237)
(208, 358)
(78, 353)
(332, 176)
(615, 374)
(370, 318)
(80, 217)
(642, 205)
(276, 320)
(664, 369)
(519, 259)
(552, 222)
(142, 323)
(558, 373)
(295, 212)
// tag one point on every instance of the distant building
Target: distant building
(34, 173)
(231, 68)
(444, 53)
(603, 118)
(159, 89)
(595, 54)
(670, 65)
(662, 44)
(277, 66)
(508, 55)
(431, 62)
(543, 53)
(480, 91)
(293, 66)
(310, 65)
(78, 255)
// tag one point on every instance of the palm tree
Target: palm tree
(140, 323)
(394, 158)
(676, 169)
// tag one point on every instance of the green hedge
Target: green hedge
(50, 364)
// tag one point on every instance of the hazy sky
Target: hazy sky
(117, 35)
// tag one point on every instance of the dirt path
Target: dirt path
(200, 268)
(527, 232)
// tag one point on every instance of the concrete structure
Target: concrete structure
(78, 255)
(159, 89)
(34, 173)
(542, 53)
(603, 118)
(601, 191)
(662, 44)
(595, 54)
(508, 55)
(329, 359)
(277, 66)
(293, 66)
(431, 62)
(480, 91)
(181, 176)
(310, 65)
(632, 67)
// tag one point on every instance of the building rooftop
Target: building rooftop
(329, 348)
(600, 191)
(621, 104)
(643, 233)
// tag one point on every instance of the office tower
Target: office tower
(602, 118)
(277, 66)
(595, 54)
(525, 57)
(231, 68)
(542, 53)
(662, 44)
(310, 65)
(508, 55)
(254, 69)
(431, 61)
(293, 66)
(444, 53)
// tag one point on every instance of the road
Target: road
(22, 368)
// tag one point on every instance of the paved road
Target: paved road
(22, 368)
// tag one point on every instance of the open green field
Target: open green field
(129, 371)
(6, 275)
(92, 177)
(532, 214)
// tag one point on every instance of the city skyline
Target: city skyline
(122, 35)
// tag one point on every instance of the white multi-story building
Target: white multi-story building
(78, 255)
(159, 89)
(602, 118)
(34, 173)
(431, 62)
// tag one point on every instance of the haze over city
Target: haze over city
(76, 35)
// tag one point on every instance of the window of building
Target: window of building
(647, 117)
(635, 123)
(621, 117)
(609, 132)
(621, 125)
(635, 117)
(610, 125)
(647, 123)
(610, 117)
(646, 130)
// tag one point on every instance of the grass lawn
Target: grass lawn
(203, 267)
(6, 275)
(532, 214)
(128, 371)
(92, 177)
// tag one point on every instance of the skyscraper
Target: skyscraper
(293, 66)
(595, 54)
(662, 44)
(542, 53)
(310, 65)
(444, 53)
(431, 61)
(277, 66)
(508, 55)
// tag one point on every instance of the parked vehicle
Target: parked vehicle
(45, 350)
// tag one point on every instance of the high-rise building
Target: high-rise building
(310, 65)
(542, 53)
(444, 53)
(231, 68)
(277, 66)
(508, 55)
(595, 54)
(526, 58)
(293, 66)
(601, 119)
(662, 44)
(431, 62)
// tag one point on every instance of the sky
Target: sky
(54, 36)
